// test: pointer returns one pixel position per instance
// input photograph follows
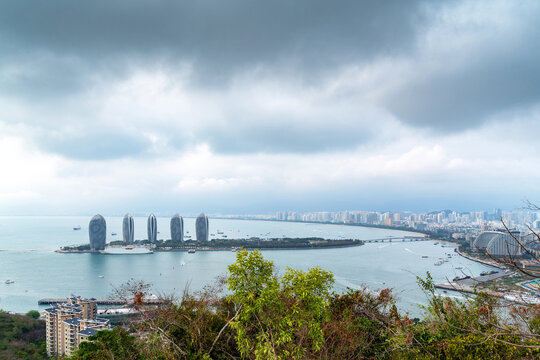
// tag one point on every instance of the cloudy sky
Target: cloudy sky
(246, 106)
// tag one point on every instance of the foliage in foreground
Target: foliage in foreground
(295, 316)
(21, 337)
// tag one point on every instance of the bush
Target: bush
(34, 314)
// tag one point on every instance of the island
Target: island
(229, 244)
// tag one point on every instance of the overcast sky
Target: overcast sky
(254, 107)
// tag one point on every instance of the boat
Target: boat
(424, 256)
(459, 268)
(126, 250)
(77, 227)
(9, 281)
(114, 234)
(191, 251)
(436, 243)
(220, 232)
(101, 276)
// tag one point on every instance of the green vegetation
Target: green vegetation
(295, 316)
(227, 244)
(257, 243)
(34, 314)
(21, 337)
(82, 248)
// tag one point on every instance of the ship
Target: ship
(191, 251)
(77, 227)
(126, 250)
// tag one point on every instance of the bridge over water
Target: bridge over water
(398, 239)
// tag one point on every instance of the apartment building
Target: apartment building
(70, 323)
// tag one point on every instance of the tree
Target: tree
(277, 318)
(115, 344)
(34, 314)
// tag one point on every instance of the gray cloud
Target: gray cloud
(55, 55)
(485, 66)
(219, 37)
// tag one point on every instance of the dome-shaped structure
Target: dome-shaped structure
(97, 232)
(504, 245)
(128, 229)
(484, 238)
(177, 228)
(152, 228)
(201, 227)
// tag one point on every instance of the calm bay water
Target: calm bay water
(27, 256)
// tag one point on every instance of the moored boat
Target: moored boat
(126, 250)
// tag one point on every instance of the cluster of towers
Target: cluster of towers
(97, 229)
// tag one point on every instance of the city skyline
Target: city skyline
(183, 107)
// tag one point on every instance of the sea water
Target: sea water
(27, 256)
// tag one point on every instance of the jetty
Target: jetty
(119, 302)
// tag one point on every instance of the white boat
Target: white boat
(9, 281)
(101, 276)
(126, 250)
(191, 251)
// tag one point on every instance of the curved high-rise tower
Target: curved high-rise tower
(128, 229)
(152, 228)
(97, 231)
(177, 228)
(201, 227)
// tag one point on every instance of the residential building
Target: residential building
(71, 322)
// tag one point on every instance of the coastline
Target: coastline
(481, 261)
(385, 227)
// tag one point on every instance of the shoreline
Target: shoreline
(481, 261)
(384, 227)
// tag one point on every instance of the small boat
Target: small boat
(191, 251)
(101, 276)
(125, 250)
(77, 227)
(459, 268)
(220, 232)
(9, 281)
(424, 256)
(114, 234)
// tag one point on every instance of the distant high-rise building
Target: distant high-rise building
(177, 228)
(152, 228)
(128, 229)
(97, 231)
(201, 227)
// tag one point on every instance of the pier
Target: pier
(118, 302)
